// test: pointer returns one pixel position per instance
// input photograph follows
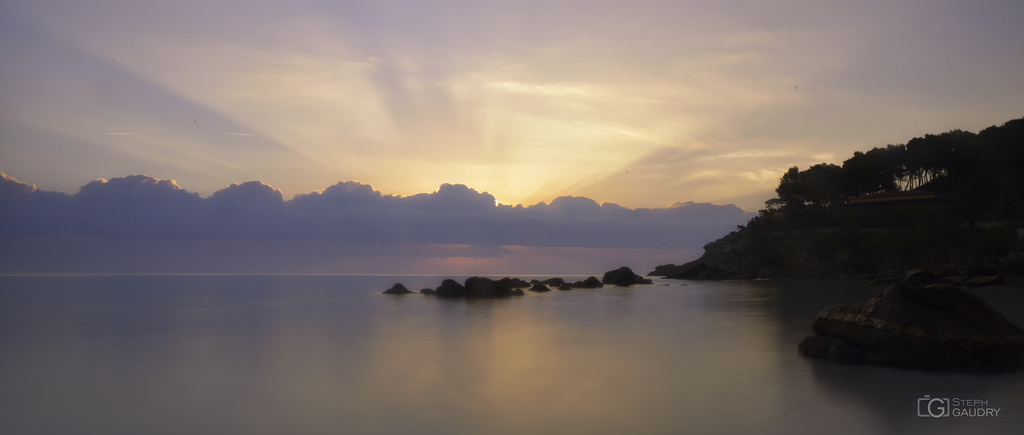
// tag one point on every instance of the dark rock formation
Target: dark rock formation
(555, 282)
(884, 281)
(973, 269)
(482, 288)
(954, 280)
(944, 270)
(513, 282)
(936, 327)
(982, 281)
(1011, 268)
(692, 270)
(539, 287)
(477, 287)
(590, 282)
(666, 270)
(918, 278)
(397, 289)
(450, 288)
(623, 276)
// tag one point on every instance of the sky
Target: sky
(638, 103)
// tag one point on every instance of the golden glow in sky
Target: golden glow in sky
(641, 103)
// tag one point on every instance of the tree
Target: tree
(824, 185)
(790, 189)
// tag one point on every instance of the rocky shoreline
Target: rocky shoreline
(814, 254)
(919, 324)
(485, 288)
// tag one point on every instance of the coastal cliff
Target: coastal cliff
(951, 204)
(855, 252)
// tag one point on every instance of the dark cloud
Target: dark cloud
(143, 207)
(253, 193)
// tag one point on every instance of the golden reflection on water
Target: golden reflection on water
(301, 355)
(513, 366)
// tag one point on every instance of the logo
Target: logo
(943, 407)
(937, 407)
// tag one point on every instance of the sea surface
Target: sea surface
(332, 355)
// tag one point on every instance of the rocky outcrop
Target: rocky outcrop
(477, 287)
(555, 282)
(735, 256)
(539, 287)
(666, 270)
(590, 282)
(935, 327)
(831, 252)
(485, 288)
(514, 282)
(623, 276)
(397, 289)
(1011, 268)
(450, 288)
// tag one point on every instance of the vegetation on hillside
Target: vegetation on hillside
(983, 171)
(950, 198)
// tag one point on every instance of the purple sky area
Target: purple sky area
(641, 103)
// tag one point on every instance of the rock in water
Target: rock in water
(590, 282)
(514, 283)
(539, 287)
(556, 282)
(397, 289)
(477, 287)
(450, 288)
(938, 327)
(623, 276)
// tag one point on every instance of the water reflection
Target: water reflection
(330, 354)
(886, 397)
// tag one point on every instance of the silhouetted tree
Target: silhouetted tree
(984, 169)
(824, 185)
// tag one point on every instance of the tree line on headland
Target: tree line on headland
(983, 171)
(953, 202)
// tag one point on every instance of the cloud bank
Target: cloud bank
(142, 207)
(140, 224)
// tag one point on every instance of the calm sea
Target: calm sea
(331, 355)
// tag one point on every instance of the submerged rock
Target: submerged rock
(397, 289)
(937, 327)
